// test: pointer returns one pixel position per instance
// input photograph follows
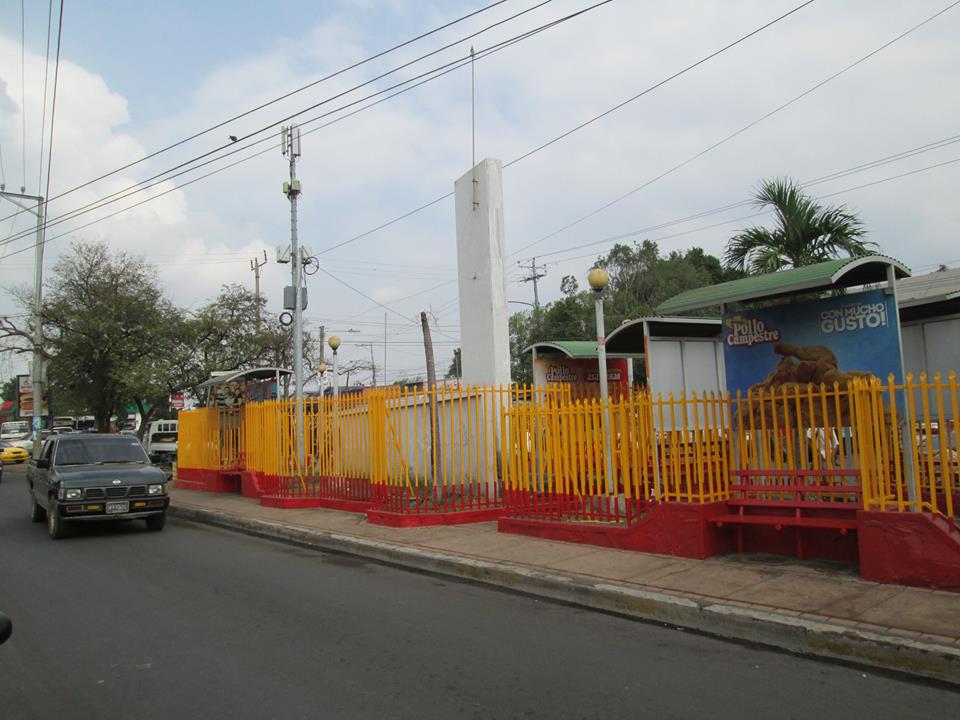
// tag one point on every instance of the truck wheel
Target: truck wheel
(55, 524)
(37, 513)
(156, 522)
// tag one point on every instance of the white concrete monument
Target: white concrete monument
(481, 258)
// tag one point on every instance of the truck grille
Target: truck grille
(115, 492)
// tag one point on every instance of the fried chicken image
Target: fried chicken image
(801, 369)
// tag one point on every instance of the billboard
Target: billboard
(816, 341)
(25, 397)
(582, 375)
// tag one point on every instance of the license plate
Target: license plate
(121, 506)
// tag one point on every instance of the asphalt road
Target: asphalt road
(194, 622)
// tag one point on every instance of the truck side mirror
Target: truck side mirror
(43, 463)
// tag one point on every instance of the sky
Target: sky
(135, 78)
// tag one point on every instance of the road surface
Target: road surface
(195, 622)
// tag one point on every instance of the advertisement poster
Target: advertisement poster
(816, 341)
(25, 397)
(583, 375)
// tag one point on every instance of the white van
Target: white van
(160, 440)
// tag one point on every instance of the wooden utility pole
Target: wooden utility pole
(431, 392)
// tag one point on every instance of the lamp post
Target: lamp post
(598, 279)
(334, 343)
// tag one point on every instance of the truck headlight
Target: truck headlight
(154, 489)
(71, 494)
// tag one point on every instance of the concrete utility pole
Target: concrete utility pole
(290, 146)
(535, 274)
(37, 366)
(255, 265)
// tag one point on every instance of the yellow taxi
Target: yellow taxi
(10, 453)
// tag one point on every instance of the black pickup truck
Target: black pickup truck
(95, 477)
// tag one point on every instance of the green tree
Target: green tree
(805, 232)
(10, 389)
(103, 314)
(640, 279)
(455, 370)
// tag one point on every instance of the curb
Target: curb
(794, 634)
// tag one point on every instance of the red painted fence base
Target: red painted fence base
(679, 529)
(293, 503)
(909, 549)
(379, 516)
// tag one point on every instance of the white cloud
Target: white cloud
(388, 160)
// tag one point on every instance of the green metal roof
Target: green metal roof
(575, 349)
(845, 272)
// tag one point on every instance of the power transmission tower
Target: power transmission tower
(255, 265)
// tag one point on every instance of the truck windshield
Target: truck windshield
(99, 451)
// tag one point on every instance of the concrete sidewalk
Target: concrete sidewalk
(810, 608)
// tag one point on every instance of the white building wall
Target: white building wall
(481, 259)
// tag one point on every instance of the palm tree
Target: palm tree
(806, 232)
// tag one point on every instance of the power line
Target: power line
(43, 114)
(732, 135)
(23, 97)
(160, 177)
(125, 191)
(832, 194)
(836, 175)
(281, 97)
(580, 126)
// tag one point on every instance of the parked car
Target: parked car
(95, 477)
(10, 453)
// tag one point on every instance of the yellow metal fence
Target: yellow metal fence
(544, 453)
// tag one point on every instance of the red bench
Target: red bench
(838, 512)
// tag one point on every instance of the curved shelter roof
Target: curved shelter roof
(263, 373)
(629, 337)
(829, 275)
(573, 349)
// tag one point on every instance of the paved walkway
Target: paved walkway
(821, 593)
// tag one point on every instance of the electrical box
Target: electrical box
(283, 254)
(289, 297)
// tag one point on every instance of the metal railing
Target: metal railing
(542, 454)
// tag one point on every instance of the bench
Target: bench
(837, 514)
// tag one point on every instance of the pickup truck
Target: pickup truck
(95, 477)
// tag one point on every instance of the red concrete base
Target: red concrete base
(379, 516)
(678, 529)
(291, 502)
(909, 549)
(224, 481)
(192, 478)
(256, 484)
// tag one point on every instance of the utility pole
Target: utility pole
(384, 348)
(431, 392)
(536, 272)
(373, 366)
(290, 146)
(255, 265)
(36, 373)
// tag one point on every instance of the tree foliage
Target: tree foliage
(805, 232)
(114, 340)
(640, 279)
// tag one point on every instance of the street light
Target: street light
(598, 279)
(334, 343)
